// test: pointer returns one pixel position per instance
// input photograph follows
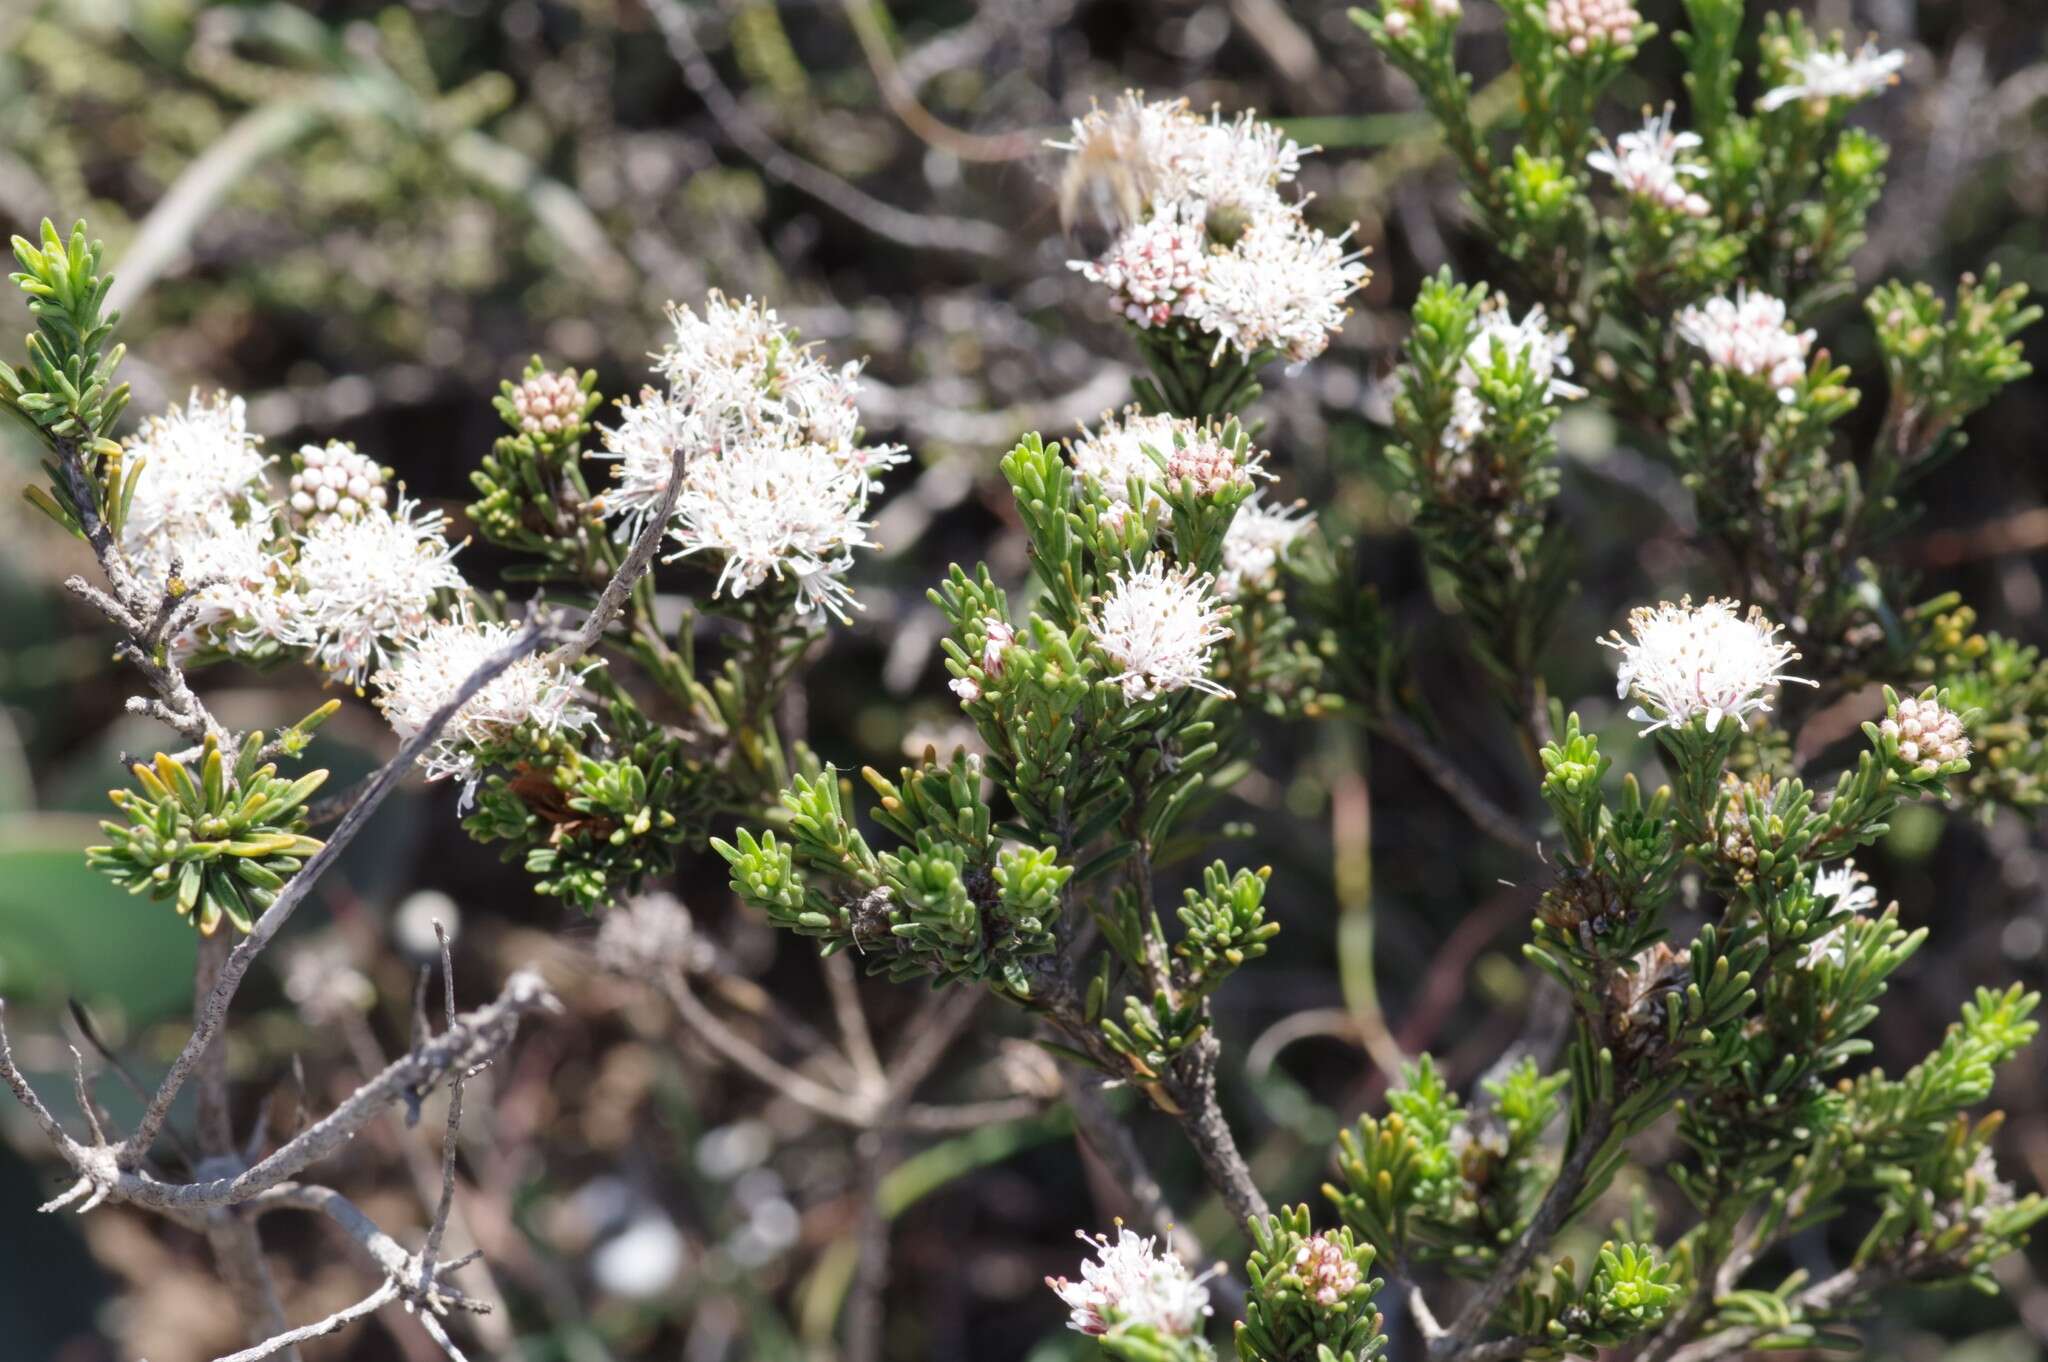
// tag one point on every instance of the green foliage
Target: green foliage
(1628, 1295)
(2003, 688)
(1434, 1182)
(531, 491)
(219, 842)
(592, 827)
(951, 903)
(67, 388)
(1480, 499)
(1310, 1296)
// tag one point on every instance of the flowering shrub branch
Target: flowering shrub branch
(1715, 953)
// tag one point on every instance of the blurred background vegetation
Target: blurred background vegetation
(362, 216)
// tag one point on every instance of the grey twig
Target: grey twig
(468, 1042)
(638, 559)
(333, 1324)
(438, 1227)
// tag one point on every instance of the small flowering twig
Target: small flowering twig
(212, 1012)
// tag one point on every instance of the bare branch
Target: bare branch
(852, 1020)
(439, 1225)
(468, 1042)
(333, 1324)
(638, 559)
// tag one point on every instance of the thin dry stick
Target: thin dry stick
(743, 1054)
(852, 1020)
(473, 1038)
(1488, 816)
(333, 1324)
(439, 1225)
(638, 560)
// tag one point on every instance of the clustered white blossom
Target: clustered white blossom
(548, 402)
(1530, 341)
(337, 478)
(1258, 538)
(1929, 735)
(1281, 288)
(1132, 1281)
(1648, 164)
(1841, 891)
(1210, 237)
(1582, 25)
(202, 503)
(1121, 450)
(367, 583)
(1327, 1273)
(534, 694)
(1157, 626)
(1708, 661)
(232, 567)
(1751, 336)
(775, 480)
(196, 460)
(650, 430)
(1830, 73)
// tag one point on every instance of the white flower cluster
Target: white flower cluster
(1751, 336)
(366, 584)
(1708, 661)
(1157, 626)
(1530, 341)
(1840, 891)
(1830, 74)
(202, 503)
(1929, 736)
(1120, 451)
(335, 478)
(1258, 538)
(234, 565)
(1582, 25)
(775, 480)
(197, 459)
(533, 693)
(1153, 270)
(1211, 238)
(1132, 1281)
(1648, 164)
